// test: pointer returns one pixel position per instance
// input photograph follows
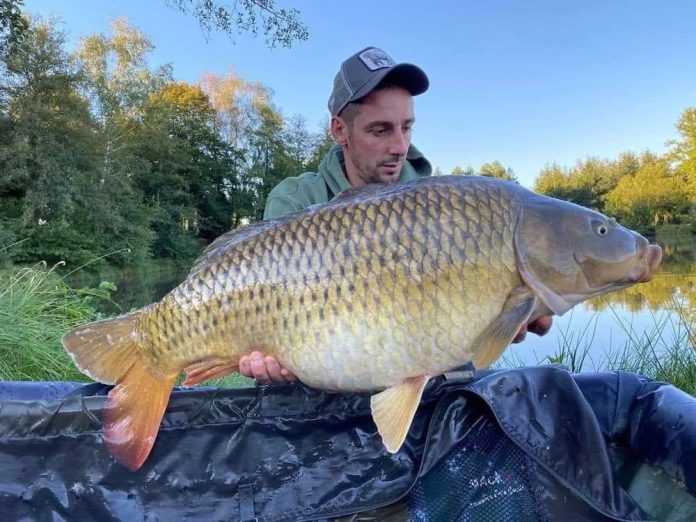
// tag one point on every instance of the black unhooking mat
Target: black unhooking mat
(527, 444)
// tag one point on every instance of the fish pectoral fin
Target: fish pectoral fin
(209, 369)
(499, 334)
(393, 410)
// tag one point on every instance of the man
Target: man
(372, 119)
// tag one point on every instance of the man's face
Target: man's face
(375, 143)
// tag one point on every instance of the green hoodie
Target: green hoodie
(297, 193)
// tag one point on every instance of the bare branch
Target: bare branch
(279, 25)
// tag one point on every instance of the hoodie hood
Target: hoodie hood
(332, 168)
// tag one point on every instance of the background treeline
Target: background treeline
(644, 191)
(100, 152)
(103, 153)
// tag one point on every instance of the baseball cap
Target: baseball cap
(363, 71)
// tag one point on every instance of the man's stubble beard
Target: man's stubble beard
(366, 173)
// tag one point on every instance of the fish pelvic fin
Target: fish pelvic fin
(499, 334)
(211, 368)
(394, 408)
(109, 351)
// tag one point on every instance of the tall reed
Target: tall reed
(665, 352)
(36, 309)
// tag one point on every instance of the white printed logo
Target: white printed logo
(376, 59)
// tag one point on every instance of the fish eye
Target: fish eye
(602, 229)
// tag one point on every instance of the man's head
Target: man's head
(372, 114)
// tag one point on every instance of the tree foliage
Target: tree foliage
(47, 156)
(644, 191)
(459, 171)
(496, 170)
(653, 196)
(683, 153)
(103, 154)
(492, 169)
(13, 24)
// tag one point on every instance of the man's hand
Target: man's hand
(264, 368)
(539, 326)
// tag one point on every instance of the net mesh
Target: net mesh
(486, 478)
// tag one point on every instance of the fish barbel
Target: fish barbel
(379, 290)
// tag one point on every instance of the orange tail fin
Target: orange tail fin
(108, 352)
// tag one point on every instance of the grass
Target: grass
(666, 352)
(36, 309)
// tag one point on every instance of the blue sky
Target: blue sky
(522, 82)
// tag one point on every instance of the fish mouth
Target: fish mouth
(650, 261)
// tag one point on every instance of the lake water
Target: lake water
(600, 327)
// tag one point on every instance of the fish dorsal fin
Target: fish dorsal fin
(228, 240)
(361, 191)
(393, 410)
(370, 190)
(499, 334)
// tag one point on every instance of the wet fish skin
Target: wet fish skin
(380, 289)
(355, 296)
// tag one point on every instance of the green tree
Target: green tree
(47, 154)
(653, 196)
(271, 160)
(13, 24)
(321, 144)
(496, 170)
(190, 181)
(586, 184)
(118, 82)
(269, 146)
(459, 171)
(554, 181)
(683, 154)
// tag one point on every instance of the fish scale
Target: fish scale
(380, 289)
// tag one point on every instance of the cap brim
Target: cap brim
(409, 76)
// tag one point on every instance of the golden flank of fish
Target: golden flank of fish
(378, 290)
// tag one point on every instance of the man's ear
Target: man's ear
(339, 130)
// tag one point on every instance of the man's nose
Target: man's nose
(399, 143)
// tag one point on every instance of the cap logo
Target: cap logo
(376, 59)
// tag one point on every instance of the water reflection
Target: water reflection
(604, 325)
(134, 288)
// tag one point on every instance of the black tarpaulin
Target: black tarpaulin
(290, 453)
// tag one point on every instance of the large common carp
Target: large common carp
(379, 290)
